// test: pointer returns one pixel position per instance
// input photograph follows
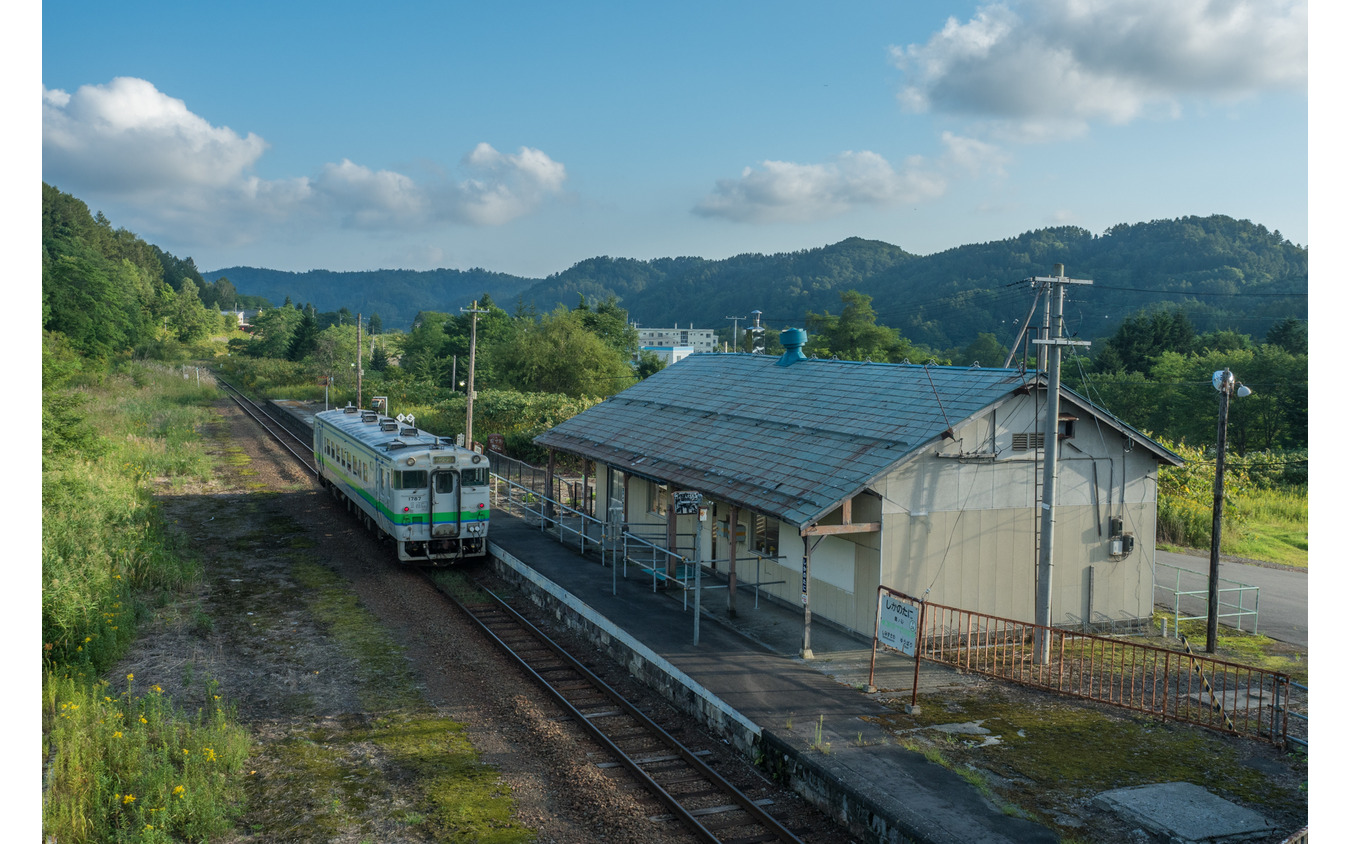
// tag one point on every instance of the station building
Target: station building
(825, 479)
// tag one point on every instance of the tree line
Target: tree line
(107, 292)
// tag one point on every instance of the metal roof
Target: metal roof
(791, 441)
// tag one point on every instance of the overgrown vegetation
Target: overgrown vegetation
(1265, 513)
(121, 764)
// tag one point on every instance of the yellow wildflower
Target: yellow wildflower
(117, 734)
(128, 798)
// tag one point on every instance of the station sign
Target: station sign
(686, 502)
(898, 623)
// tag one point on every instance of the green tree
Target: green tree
(1290, 334)
(1143, 337)
(273, 331)
(985, 350)
(188, 319)
(649, 363)
(559, 354)
(855, 335)
(305, 338)
(375, 324)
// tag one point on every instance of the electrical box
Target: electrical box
(1122, 545)
(1117, 528)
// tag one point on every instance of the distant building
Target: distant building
(696, 339)
(671, 354)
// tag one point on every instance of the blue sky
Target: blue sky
(525, 137)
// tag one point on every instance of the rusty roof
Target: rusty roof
(788, 441)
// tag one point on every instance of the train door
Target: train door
(444, 503)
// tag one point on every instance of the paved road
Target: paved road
(1283, 597)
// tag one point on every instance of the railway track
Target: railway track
(692, 792)
(276, 424)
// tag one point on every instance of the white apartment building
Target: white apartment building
(696, 339)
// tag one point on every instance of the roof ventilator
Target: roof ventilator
(792, 339)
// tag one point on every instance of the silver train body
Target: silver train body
(431, 497)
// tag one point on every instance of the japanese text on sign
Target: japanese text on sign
(898, 624)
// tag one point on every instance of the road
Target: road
(1284, 593)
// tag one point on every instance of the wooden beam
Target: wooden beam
(826, 530)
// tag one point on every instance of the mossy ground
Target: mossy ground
(1051, 755)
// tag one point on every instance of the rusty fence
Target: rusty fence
(1168, 684)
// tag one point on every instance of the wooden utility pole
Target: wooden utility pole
(358, 360)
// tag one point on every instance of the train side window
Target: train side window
(416, 479)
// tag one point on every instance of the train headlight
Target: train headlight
(412, 460)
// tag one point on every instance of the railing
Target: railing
(1169, 684)
(1196, 594)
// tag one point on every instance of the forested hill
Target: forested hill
(396, 295)
(1225, 273)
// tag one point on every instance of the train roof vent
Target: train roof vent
(407, 432)
(369, 417)
(349, 408)
(388, 425)
(393, 444)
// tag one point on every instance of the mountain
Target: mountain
(1224, 273)
(396, 295)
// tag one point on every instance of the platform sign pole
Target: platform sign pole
(698, 568)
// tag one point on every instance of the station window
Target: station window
(658, 498)
(764, 535)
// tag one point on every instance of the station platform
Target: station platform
(816, 714)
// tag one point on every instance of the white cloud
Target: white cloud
(784, 191)
(173, 172)
(1059, 64)
(503, 187)
(128, 137)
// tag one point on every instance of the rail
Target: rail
(1196, 594)
(1169, 684)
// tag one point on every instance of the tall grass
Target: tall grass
(114, 765)
(1265, 513)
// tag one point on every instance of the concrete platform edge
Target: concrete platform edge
(777, 758)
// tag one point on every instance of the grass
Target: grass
(1265, 518)
(123, 766)
(131, 767)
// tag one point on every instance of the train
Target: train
(427, 494)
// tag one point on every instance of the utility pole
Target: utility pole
(1053, 345)
(358, 360)
(735, 331)
(1227, 386)
(473, 352)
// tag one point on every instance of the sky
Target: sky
(526, 137)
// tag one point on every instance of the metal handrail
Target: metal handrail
(1239, 612)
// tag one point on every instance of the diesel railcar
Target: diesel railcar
(428, 495)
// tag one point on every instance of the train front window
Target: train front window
(474, 477)
(445, 482)
(416, 479)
